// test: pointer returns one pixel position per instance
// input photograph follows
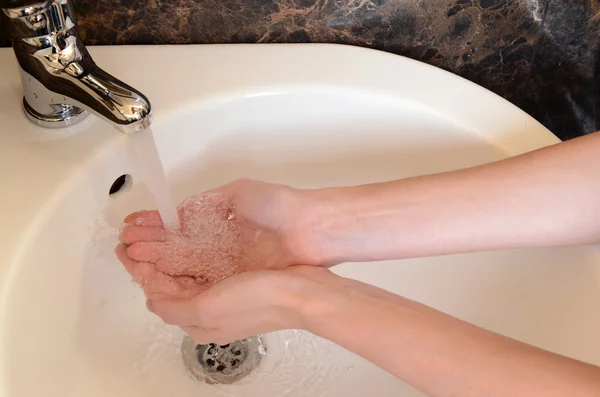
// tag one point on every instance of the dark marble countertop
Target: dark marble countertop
(542, 55)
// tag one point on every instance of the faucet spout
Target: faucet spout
(61, 81)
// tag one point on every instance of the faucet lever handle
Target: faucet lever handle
(23, 8)
(37, 19)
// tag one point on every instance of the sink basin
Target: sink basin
(73, 324)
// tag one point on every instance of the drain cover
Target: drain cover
(222, 364)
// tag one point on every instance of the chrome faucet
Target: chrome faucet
(61, 82)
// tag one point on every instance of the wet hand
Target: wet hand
(244, 305)
(158, 285)
(246, 225)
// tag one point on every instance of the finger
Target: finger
(144, 218)
(187, 288)
(156, 283)
(145, 251)
(181, 312)
(188, 329)
(152, 281)
(134, 234)
(206, 204)
(188, 283)
(203, 336)
(129, 264)
(198, 334)
(229, 189)
(141, 272)
(177, 261)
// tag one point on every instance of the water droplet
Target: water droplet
(262, 350)
(214, 352)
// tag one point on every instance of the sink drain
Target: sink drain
(224, 364)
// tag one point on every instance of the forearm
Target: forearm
(436, 353)
(543, 198)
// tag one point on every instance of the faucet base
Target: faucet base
(63, 115)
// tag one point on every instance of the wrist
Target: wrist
(299, 295)
(369, 222)
(304, 233)
(314, 295)
(326, 223)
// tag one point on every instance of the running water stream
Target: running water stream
(150, 168)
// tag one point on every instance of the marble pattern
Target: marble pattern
(542, 55)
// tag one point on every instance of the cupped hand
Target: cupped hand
(156, 284)
(245, 225)
(243, 305)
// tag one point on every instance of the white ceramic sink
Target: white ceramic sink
(73, 324)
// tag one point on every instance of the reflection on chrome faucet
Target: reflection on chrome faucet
(61, 82)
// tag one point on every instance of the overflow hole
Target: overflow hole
(121, 184)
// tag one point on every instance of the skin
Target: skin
(548, 197)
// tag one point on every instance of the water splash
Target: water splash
(297, 364)
(100, 231)
(210, 245)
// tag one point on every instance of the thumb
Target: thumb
(181, 312)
